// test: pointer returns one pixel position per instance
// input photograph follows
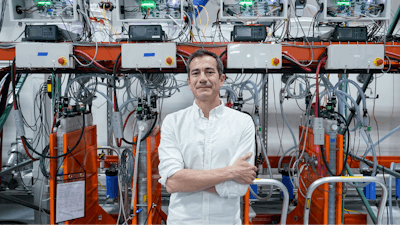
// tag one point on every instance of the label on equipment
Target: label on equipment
(42, 53)
(156, 36)
(149, 54)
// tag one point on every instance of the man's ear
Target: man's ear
(188, 81)
(222, 80)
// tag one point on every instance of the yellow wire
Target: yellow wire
(102, 185)
(201, 25)
(99, 26)
(207, 17)
(348, 210)
(104, 14)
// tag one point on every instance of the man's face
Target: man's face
(204, 80)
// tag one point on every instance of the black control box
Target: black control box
(42, 33)
(350, 34)
(146, 33)
(249, 33)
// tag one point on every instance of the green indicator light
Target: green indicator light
(246, 2)
(148, 4)
(44, 3)
(139, 109)
(344, 3)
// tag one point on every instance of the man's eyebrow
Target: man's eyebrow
(209, 68)
(194, 70)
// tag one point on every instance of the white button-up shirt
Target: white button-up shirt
(191, 141)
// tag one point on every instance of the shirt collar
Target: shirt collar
(217, 111)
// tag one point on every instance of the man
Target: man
(206, 151)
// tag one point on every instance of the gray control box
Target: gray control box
(152, 55)
(319, 131)
(44, 55)
(354, 56)
(254, 56)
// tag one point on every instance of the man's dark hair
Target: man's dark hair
(202, 52)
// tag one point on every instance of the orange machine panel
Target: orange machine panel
(319, 201)
(82, 160)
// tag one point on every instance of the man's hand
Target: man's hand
(244, 172)
(211, 189)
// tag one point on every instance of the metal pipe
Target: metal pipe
(21, 202)
(394, 22)
(379, 167)
(285, 206)
(324, 180)
(24, 163)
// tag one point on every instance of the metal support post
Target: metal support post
(343, 111)
(142, 185)
(285, 205)
(324, 180)
(265, 113)
(109, 116)
(331, 131)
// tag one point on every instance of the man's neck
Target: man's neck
(207, 105)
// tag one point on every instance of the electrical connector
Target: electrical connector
(319, 131)
(19, 123)
(117, 125)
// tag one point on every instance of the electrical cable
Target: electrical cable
(87, 56)
(126, 166)
(68, 149)
(148, 132)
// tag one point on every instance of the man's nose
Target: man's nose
(203, 77)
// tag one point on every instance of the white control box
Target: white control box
(44, 55)
(250, 10)
(354, 10)
(354, 56)
(254, 56)
(34, 11)
(151, 55)
(149, 10)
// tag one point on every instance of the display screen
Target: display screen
(140, 31)
(244, 32)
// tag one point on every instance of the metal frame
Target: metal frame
(285, 206)
(324, 180)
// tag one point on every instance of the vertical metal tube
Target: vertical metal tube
(265, 113)
(343, 111)
(142, 184)
(109, 114)
(331, 131)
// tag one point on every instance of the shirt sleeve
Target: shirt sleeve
(232, 189)
(170, 156)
